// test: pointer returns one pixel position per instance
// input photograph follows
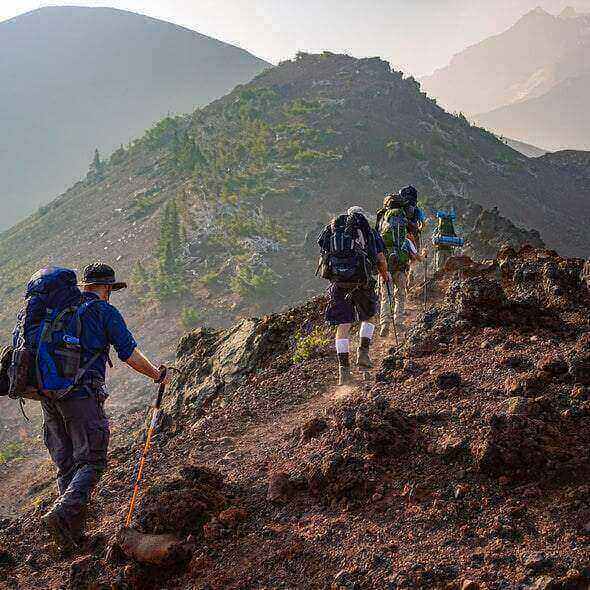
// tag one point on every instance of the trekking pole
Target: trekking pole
(425, 282)
(392, 310)
(146, 448)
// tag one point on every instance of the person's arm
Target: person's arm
(140, 363)
(382, 266)
(380, 259)
(413, 252)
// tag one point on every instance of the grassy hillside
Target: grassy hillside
(214, 215)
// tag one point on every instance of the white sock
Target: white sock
(342, 345)
(367, 330)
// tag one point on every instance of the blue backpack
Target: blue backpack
(46, 355)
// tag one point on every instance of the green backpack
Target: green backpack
(394, 231)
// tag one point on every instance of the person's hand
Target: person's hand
(165, 376)
(424, 253)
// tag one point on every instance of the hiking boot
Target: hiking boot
(59, 530)
(384, 331)
(344, 375)
(362, 359)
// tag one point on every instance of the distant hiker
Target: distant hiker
(445, 239)
(68, 333)
(350, 254)
(415, 214)
(398, 233)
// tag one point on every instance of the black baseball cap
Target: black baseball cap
(101, 274)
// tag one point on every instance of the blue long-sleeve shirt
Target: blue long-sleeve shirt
(103, 326)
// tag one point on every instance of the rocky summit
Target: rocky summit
(462, 464)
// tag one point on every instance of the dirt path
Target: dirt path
(26, 477)
(274, 430)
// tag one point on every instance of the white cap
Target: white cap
(356, 209)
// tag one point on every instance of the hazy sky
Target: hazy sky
(414, 35)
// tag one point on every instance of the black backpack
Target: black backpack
(345, 258)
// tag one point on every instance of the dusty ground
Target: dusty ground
(464, 464)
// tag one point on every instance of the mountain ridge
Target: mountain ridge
(85, 78)
(263, 473)
(521, 83)
(213, 216)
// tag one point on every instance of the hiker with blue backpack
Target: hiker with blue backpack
(397, 225)
(445, 239)
(59, 356)
(351, 253)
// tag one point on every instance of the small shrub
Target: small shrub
(416, 150)
(392, 148)
(118, 156)
(210, 279)
(11, 451)
(310, 345)
(254, 284)
(145, 203)
(190, 318)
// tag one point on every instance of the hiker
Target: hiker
(417, 220)
(76, 428)
(445, 239)
(350, 253)
(397, 233)
(415, 214)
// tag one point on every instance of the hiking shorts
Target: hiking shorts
(349, 305)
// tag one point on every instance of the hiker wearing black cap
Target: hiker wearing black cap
(76, 428)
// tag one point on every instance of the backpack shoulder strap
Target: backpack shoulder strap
(80, 311)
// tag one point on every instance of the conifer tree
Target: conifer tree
(96, 170)
(169, 250)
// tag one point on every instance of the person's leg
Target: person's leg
(385, 307)
(365, 338)
(343, 353)
(399, 288)
(58, 443)
(442, 255)
(367, 301)
(340, 313)
(88, 428)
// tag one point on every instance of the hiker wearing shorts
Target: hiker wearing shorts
(350, 252)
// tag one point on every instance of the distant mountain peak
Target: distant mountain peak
(571, 12)
(537, 12)
(126, 71)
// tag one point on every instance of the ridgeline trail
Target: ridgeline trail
(462, 465)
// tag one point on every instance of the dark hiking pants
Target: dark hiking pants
(76, 434)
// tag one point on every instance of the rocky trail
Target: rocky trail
(462, 465)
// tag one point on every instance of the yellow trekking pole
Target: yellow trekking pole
(155, 414)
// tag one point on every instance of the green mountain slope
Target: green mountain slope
(73, 78)
(215, 214)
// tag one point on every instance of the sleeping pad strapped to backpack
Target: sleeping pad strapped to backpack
(46, 351)
(445, 235)
(346, 260)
